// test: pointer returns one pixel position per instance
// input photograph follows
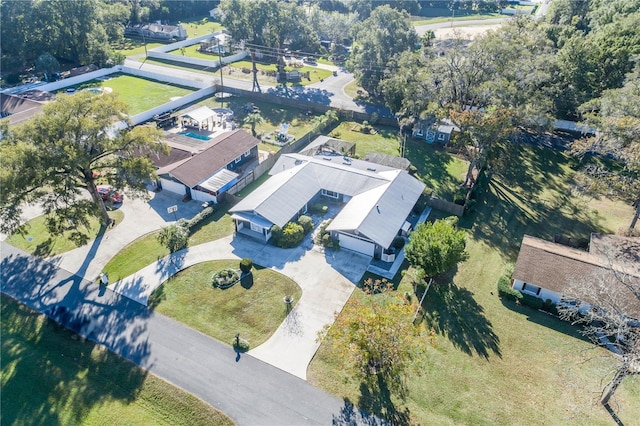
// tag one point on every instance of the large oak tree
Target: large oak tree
(57, 159)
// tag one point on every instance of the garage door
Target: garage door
(356, 244)
(171, 186)
(202, 196)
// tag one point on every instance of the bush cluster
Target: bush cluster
(324, 238)
(319, 208)
(293, 232)
(224, 278)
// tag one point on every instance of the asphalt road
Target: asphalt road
(248, 390)
(327, 92)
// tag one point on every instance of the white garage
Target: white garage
(171, 186)
(351, 242)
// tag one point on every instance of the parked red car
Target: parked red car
(107, 193)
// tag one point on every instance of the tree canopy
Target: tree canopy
(436, 247)
(377, 40)
(377, 334)
(57, 159)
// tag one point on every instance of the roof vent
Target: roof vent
(371, 169)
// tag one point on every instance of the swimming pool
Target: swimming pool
(196, 136)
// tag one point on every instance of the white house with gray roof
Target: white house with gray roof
(377, 199)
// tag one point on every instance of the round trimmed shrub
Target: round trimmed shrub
(240, 344)
(245, 265)
(292, 235)
(306, 222)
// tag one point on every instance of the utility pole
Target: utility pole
(220, 60)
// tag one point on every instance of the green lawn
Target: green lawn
(253, 307)
(441, 171)
(37, 240)
(146, 249)
(193, 52)
(132, 47)
(493, 362)
(49, 377)
(274, 115)
(439, 15)
(138, 93)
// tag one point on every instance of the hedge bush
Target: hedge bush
(318, 208)
(505, 290)
(290, 236)
(195, 220)
(306, 222)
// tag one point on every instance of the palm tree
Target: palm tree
(254, 119)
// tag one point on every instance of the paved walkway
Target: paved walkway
(327, 282)
(250, 391)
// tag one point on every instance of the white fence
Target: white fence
(170, 106)
(196, 83)
(79, 79)
(161, 53)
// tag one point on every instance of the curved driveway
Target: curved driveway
(247, 389)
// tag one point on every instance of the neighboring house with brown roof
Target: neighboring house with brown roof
(547, 270)
(211, 168)
(18, 108)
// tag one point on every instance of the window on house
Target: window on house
(247, 154)
(330, 194)
(237, 160)
(441, 136)
(530, 288)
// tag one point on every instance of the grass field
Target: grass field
(493, 362)
(39, 242)
(146, 249)
(49, 377)
(253, 307)
(439, 15)
(138, 93)
(274, 115)
(441, 171)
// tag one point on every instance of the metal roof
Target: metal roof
(219, 180)
(380, 201)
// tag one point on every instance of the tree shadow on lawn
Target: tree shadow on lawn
(351, 415)
(57, 377)
(376, 398)
(453, 312)
(503, 216)
(546, 320)
(431, 162)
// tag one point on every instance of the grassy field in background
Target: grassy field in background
(142, 94)
(49, 376)
(253, 307)
(494, 362)
(37, 240)
(440, 170)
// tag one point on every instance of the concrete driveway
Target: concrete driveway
(327, 281)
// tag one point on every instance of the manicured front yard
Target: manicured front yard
(494, 362)
(253, 307)
(48, 376)
(146, 250)
(38, 241)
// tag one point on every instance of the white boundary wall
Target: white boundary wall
(161, 53)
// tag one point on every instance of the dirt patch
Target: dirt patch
(467, 33)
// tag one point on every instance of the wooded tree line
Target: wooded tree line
(79, 31)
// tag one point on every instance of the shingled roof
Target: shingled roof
(556, 267)
(221, 151)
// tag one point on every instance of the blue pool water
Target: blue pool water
(196, 136)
